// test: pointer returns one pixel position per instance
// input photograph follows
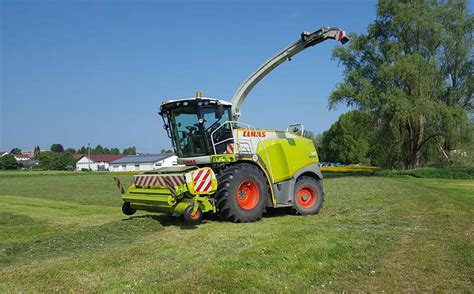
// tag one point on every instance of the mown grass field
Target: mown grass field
(65, 232)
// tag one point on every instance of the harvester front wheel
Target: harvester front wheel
(127, 209)
(242, 193)
(192, 218)
(309, 196)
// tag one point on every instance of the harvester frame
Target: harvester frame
(230, 167)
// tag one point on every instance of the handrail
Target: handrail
(236, 143)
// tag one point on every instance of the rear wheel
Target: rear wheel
(242, 193)
(127, 209)
(309, 196)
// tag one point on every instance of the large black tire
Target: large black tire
(242, 193)
(309, 196)
(127, 209)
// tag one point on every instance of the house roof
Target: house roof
(23, 156)
(78, 156)
(142, 158)
(104, 157)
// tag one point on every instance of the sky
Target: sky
(79, 72)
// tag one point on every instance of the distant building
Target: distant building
(21, 158)
(3, 153)
(29, 153)
(96, 162)
(78, 156)
(143, 162)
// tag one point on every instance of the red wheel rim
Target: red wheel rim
(248, 195)
(306, 197)
(195, 216)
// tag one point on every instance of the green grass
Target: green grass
(65, 232)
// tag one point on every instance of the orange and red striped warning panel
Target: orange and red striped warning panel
(158, 180)
(168, 181)
(200, 181)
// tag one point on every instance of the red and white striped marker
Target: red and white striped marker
(230, 149)
(202, 180)
(168, 181)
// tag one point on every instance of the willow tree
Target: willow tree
(413, 72)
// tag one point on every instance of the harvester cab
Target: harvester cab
(229, 167)
(190, 124)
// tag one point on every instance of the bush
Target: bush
(8, 162)
(56, 161)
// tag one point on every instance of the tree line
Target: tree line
(59, 158)
(58, 148)
(104, 150)
(409, 83)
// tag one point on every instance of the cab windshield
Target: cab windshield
(192, 126)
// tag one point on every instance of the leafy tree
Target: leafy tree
(8, 161)
(71, 150)
(58, 148)
(464, 155)
(310, 135)
(45, 159)
(68, 160)
(114, 151)
(348, 139)
(82, 150)
(15, 151)
(130, 151)
(37, 151)
(98, 149)
(316, 142)
(56, 161)
(163, 151)
(412, 72)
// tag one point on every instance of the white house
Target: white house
(21, 158)
(96, 162)
(143, 162)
